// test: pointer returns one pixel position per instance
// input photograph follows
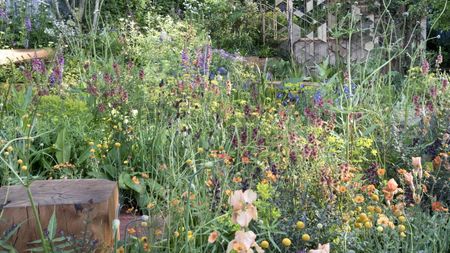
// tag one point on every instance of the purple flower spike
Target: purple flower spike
(28, 24)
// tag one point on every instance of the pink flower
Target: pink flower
(409, 179)
(213, 237)
(321, 249)
(243, 209)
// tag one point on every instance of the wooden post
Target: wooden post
(290, 12)
(80, 206)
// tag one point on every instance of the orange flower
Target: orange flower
(270, 176)
(135, 180)
(401, 171)
(437, 162)
(237, 179)
(359, 199)
(370, 188)
(381, 172)
(438, 207)
(342, 189)
(245, 160)
(213, 237)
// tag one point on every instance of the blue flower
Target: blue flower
(222, 71)
(317, 97)
(280, 95)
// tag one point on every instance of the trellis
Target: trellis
(309, 36)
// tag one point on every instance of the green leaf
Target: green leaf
(52, 226)
(128, 182)
(12, 232)
(6, 246)
(62, 147)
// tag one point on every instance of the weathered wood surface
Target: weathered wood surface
(8, 56)
(78, 204)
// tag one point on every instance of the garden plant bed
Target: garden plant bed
(338, 142)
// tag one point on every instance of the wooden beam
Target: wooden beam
(9, 56)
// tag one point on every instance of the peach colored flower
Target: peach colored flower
(390, 189)
(243, 243)
(243, 209)
(417, 164)
(213, 236)
(438, 207)
(401, 171)
(391, 185)
(381, 172)
(321, 249)
(437, 162)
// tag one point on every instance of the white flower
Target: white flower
(145, 217)
(134, 112)
(116, 224)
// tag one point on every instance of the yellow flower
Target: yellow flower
(359, 199)
(286, 242)
(20, 161)
(24, 168)
(117, 145)
(300, 225)
(402, 234)
(368, 224)
(306, 237)
(402, 219)
(380, 229)
(374, 197)
(401, 228)
(190, 235)
(265, 244)
(131, 231)
(91, 143)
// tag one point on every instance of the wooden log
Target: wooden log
(88, 205)
(8, 56)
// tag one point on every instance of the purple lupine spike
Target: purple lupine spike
(184, 58)
(38, 66)
(425, 67)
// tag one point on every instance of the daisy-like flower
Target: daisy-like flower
(243, 209)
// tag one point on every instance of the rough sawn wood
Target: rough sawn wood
(77, 203)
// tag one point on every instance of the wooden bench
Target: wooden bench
(9, 56)
(80, 205)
